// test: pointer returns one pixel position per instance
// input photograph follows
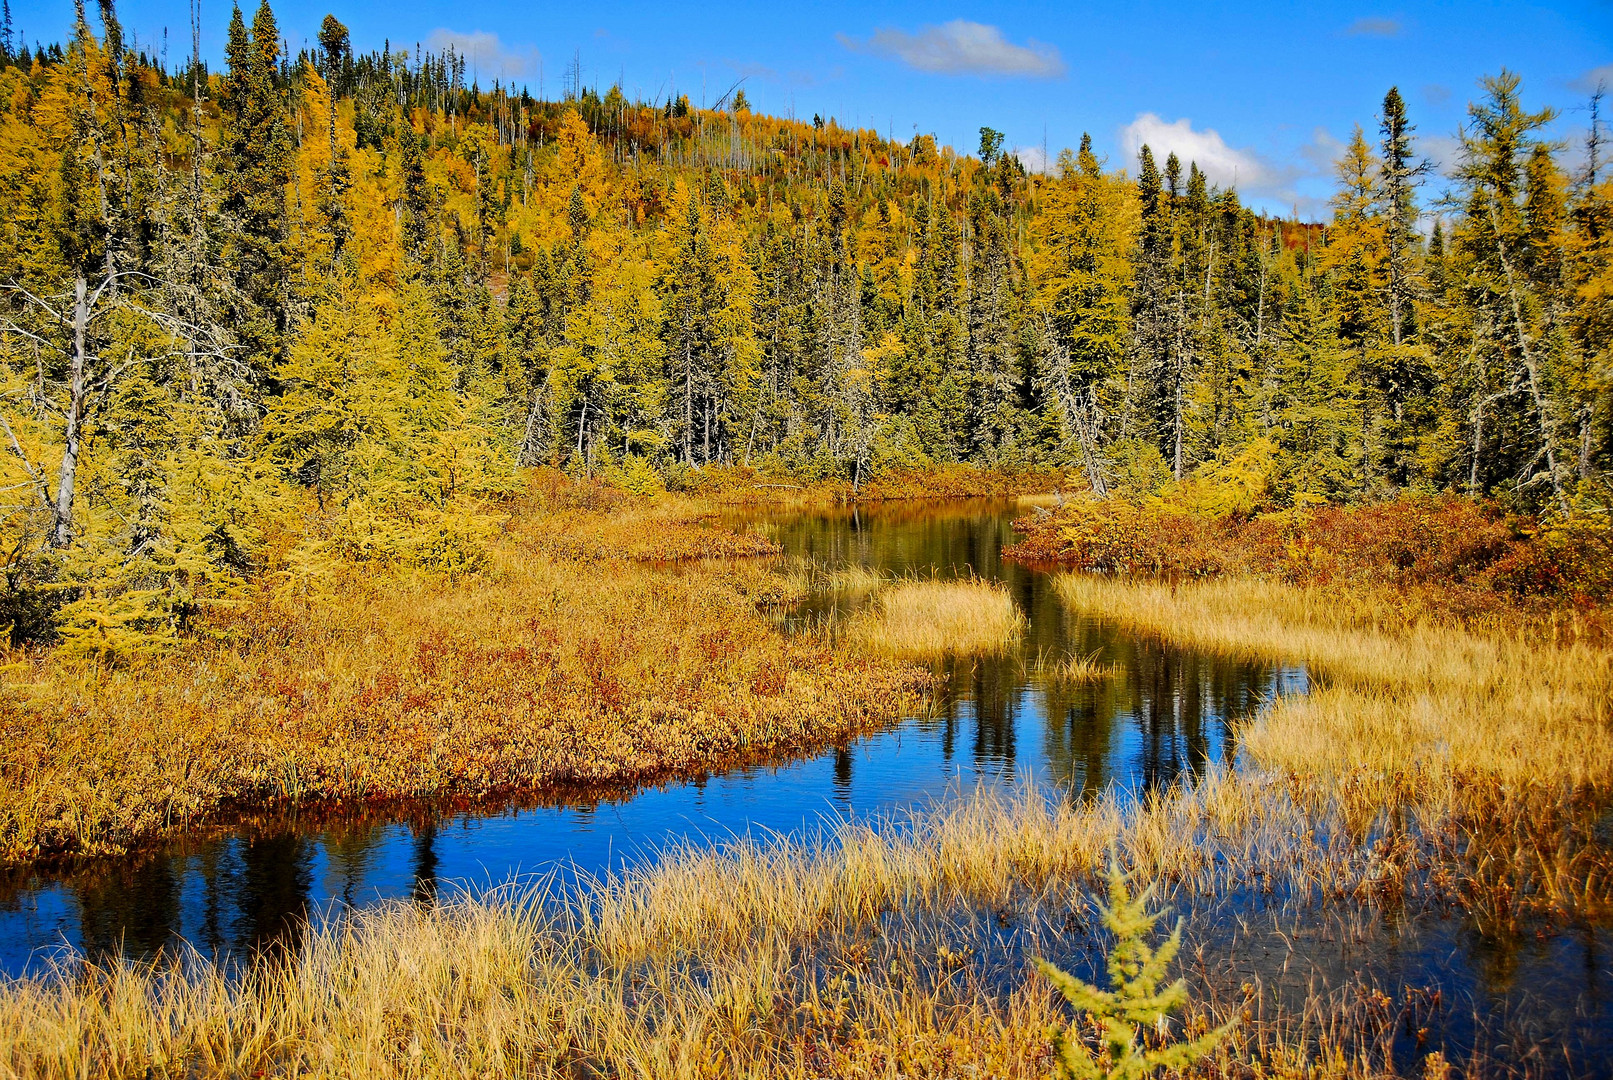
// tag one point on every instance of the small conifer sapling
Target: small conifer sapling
(1135, 1002)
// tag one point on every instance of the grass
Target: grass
(866, 950)
(668, 530)
(542, 669)
(1438, 765)
(1493, 745)
(915, 619)
(1073, 670)
(1400, 691)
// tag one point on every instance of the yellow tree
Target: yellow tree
(1082, 273)
(1355, 257)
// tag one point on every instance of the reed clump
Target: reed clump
(1435, 766)
(1485, 749)
(537, 670)
(936, 618)
(882, 948)
(668, 528)
(1078, 670)
(1399, 692)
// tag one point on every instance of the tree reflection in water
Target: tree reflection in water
(1164, 713)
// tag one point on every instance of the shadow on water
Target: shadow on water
(1163, 713)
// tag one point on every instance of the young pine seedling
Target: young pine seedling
(1134, 1002)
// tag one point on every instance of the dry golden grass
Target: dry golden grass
(668, 528)
(855, 582)
(854, 953)
(538, 670)
(863, 952)
(935, 618)
(1074, 670)
(1400, 695)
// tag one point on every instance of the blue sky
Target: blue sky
(1261, 94)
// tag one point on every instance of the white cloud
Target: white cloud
(1370, 27)
(1442, 151)
(1322, 152)
(1300, 183)
(1222, 164)
(485, 53)
(1034, 158)
(961, 47)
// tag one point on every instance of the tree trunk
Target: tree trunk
(688, 400)
(533, 417)
(75, 418)
(1075, 414)
(1177, 451)
(1542, 412)
(1585, 443)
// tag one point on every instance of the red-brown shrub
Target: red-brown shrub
(1443, 542)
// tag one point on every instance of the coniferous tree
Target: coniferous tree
(1085, 280)
(256, 151)
(1503, 252)
(1399, 177)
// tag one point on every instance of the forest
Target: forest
(497, 586)
(325, 309)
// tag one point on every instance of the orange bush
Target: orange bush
(1472, 553)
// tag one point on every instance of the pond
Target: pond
(1166, 711)
(1535, 1000)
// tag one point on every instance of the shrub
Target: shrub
(636, 476)
(1137, 468)
(1471, 551)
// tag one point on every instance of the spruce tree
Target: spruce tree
(1501, 249)
(1399, 176)
(256, 159)
(1085, 275)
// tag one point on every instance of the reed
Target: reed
(1399, 693)
(867, 948)
(1435, 766)
(935, 618)
(1081, 670)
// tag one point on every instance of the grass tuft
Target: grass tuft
(916, 619)
(539, 670)
(1074, 670)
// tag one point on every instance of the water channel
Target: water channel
(1167, 712)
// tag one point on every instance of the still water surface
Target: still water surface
(1169, 711)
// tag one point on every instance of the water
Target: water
(1168, 712)
(1539, 1000)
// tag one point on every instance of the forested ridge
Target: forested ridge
(322, 308)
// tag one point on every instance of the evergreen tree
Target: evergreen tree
(1399, 176)
(1136, 1011)
(1085, 277)
(255, 152)
(1504, 252)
